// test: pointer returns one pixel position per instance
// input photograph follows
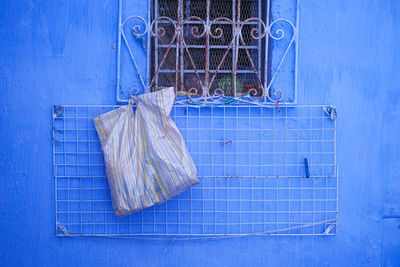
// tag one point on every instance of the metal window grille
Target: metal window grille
(211, 59)
(207, 48)
(251, 168)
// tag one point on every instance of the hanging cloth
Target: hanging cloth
(145, 155)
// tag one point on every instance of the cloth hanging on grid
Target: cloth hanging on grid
(145, 156)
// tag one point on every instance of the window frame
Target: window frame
(208, 76)
(272, 91)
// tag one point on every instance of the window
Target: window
(208, 47)
(203, 62)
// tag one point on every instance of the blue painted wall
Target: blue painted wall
(61, 52)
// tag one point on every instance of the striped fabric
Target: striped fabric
(145, 155)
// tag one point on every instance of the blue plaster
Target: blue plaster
(62, 52)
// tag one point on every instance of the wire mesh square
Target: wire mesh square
(251, 165)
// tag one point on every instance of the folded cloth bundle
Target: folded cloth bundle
(145, 155)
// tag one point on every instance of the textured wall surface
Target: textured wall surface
(62, 52)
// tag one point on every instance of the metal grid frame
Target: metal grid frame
(171, 60)
(251, 169)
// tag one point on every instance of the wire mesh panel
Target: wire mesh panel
(263, 171)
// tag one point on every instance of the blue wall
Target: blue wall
(60, 52)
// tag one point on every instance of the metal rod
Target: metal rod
(297, 50)
(234, 47)
(157, 14)
(207, 52)
(181, 58)
(119, 50)
(178, 41)
(149, 46)
(267, 51)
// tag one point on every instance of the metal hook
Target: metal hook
(133, 92)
